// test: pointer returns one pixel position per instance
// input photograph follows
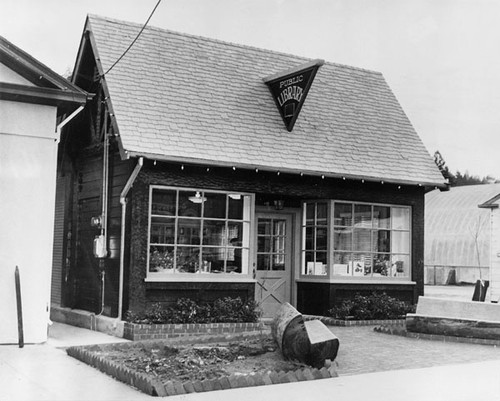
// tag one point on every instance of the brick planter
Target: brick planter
(330, 321)
(94, 355)
(140, 332)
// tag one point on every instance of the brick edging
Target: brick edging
(401, 331)
(141, 332)
(330, 321)
(153, 387)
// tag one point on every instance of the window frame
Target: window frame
(330, 276)
(248, 210)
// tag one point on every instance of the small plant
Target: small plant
(377, 306)
(224, 310)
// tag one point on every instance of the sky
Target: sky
(441, 58)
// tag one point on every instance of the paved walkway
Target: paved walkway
(372, 366)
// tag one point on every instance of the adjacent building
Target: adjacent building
(35, 103)
(494, 255)
(458, 235)
(205, 169)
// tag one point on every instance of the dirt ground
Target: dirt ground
(201, 361)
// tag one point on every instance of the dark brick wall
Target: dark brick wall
(317, 298)
(267, 187)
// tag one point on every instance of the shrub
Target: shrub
(377, 306)
(224, 310)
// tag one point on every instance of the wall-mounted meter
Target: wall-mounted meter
(100, 246)
(96, 222)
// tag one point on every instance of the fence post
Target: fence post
(19, 310)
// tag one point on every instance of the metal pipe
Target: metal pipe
(67, 120)
(123, 201)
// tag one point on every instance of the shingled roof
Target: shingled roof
(185, 98)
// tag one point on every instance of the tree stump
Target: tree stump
(308, 342)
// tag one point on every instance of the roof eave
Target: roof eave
(44, 96)
(428, 185)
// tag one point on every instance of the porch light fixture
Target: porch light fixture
(197, 198)
(278, 204)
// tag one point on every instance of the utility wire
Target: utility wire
(137, 37)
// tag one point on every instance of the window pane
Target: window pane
(278, 260)
(235, 206)
(400, 218)
(163, 202)
(362, 264)
(212, 259)
(279, 227)
(309, 238)
(342, 239)
(188, 231)
(400, 266)
(309, 262)
(321, 238)
(343, 214)
(161, 259)
(362, 240)
(188, 259)
(264, 227)
(215, 205)
(400, 242)
(382, 265)
(381, 217)
(310, 213)
(316, 263)
(263, 261)
(363, 216)
(214, 232)
(382, 241)
(190, 203)
(234, 232)
(162, 230)
(234, 258)
(342, 264)
(263, 244)
(322, 214)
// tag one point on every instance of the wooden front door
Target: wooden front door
(274, 261)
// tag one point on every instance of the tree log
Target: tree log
(308, 342)
(453, 327)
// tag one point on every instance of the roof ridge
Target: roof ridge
(224, 42)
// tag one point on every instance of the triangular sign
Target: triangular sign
(289, 89)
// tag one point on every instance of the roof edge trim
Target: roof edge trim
(212, 163)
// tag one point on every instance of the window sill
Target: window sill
(198, 278)
(354, 280)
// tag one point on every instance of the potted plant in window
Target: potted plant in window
(161, 261)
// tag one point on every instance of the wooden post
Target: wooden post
(19, 310)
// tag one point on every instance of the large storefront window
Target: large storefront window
(368, 240)
(198, 232)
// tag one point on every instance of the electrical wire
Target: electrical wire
(131, 44)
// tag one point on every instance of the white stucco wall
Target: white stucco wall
(28, 156)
